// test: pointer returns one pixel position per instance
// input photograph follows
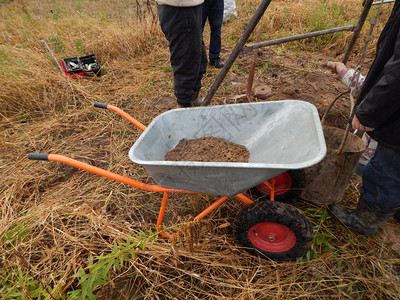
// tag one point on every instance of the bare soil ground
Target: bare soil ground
(301, 78)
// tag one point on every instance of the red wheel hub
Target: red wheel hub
(272, 237)
(283, 183)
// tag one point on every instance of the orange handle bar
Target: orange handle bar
(121, 113)
(104, 173)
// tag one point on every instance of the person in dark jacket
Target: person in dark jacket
(377, 111)
(181, 23)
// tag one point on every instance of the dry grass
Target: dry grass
(54, 217)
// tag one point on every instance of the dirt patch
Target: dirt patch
(209, 149)
(288, 77)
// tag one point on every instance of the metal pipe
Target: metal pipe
(384, 2)
(59, 66)
(250, 47)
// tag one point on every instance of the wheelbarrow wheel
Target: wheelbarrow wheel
(288, 186)
(273, 230)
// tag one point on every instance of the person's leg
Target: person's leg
(215, 18)
(202, 71)
(203, 68)
(182, 27)
(204, 13)
(381, 179)
(380, 194)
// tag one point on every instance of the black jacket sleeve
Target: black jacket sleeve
(383, 100)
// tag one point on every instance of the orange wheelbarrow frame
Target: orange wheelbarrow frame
(140, 185)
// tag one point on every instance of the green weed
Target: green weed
(12, 65)
(321, 17)
(227, 89)
(101, 268)
(280, 50)
(235, 67)
(316, 19)
(166, 68)
(323, 237)
(232, 17)
(18, 284)
(4, 57)
(58, 44)
(148, 85)
(78, 5)
(285, 18)
(232, 37)
(15, 235)
(80, 47)
(265, 67)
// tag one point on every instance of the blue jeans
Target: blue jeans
(381, 179)
(213, 10)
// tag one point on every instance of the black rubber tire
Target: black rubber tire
(291, 192)
(275, 213)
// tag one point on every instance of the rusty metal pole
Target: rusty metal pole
(250, 47)
(367, 6)
(236, 51)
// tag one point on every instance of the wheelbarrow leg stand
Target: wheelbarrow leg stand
(204, 213)
(200, 216)
(217, 203)
(161, 217)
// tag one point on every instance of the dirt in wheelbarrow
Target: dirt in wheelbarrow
(209, 149)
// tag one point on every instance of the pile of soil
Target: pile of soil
(209, 149)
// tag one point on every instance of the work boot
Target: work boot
(217, 63)
(185, 105)
(190, 104)
(365, 219)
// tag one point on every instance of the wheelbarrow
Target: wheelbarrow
(280, 136)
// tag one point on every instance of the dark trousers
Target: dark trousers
(381, 179)
(213, 10)
(183, 30)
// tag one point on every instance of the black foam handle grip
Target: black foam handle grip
(38, 156)
(100, 105)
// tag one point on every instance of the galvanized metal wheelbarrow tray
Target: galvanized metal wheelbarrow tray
(280, 135)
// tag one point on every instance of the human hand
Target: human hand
(339, 66)
(357, 125)
(335, 66)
